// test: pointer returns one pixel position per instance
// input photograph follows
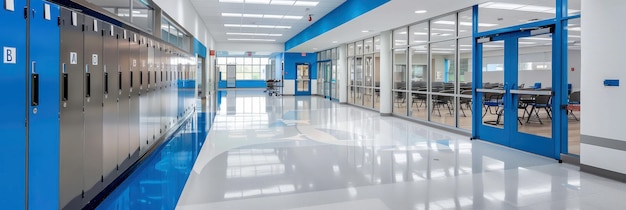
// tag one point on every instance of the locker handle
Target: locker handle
(131, 79)
(34, 82)
(140, 78)
(106, 83)
(34, 90)
(149, 77)
(119, 80)
(65, 86)
(88, 84)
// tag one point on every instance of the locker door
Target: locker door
(123, 105)
(72, 135)
(110, 91)
(12, 130)
(143, 95)
(134, 97)
(43, 125)
(93, 99)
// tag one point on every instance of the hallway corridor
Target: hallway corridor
(291, 152)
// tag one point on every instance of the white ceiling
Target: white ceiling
(211, 12)
(393, 14)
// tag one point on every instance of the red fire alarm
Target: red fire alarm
(303, 54)
(572, 69)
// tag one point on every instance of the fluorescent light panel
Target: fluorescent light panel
(263, 40)
(261, 16)
(254, 34)
(521, 7)
(256, 26)
(274, 2)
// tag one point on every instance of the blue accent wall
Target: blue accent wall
(340, 15)
(291, 59)
(199, 48)
(244, 84)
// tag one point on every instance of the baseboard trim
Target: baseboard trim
(603, 172)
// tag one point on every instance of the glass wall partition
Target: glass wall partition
(431, 64)
(327, 73)
(364, 73)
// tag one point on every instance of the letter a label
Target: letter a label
(73, 58)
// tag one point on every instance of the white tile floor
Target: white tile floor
(309, 153)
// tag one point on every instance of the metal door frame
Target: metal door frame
(308, 92)
(509, 134)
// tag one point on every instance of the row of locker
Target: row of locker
(85, 99)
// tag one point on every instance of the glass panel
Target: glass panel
(334, 53)
(465, 23)
(419, 33)
(377, 70)
(369, 70)
(142, 15)
(368, 46)
(465, 65)
(351, 49)
(368, 97)
(443, 66)
(399, 69)
(351, 91)
(400, 37)
(493, 78)
(359, 48)
(377, 98)
(534, 111)
(443, 28)
(399, 103)
(573, 7)
(573, 109)
(377, 44)
(419, 68)
(419, 105)
(493, 15)
(352, 79)
(465, 109)
(334, 81)
(358, 96)
(358, 71)
(443, 108)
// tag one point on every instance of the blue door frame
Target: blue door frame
(509, 136)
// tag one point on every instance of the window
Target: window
(247, 68)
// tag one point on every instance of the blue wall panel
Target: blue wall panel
(290, 60)
(340, 15)
(43, 162)
(12, 129)
(199, 48)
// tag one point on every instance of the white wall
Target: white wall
(603, 49)
(289, 87)
(185, 14)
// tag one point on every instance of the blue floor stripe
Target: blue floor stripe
(158, 181)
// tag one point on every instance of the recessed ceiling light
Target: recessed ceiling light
(420, 11)
(274, 2)
(256, 26)
(315, 48)
(306, 3)
(335, 41)
(365, 31)
(254, 34)
(289, 3)
(262, 40)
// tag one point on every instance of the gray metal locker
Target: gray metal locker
(71, 116)
(93, 99)
(110, 94)
(123, 77)
(134, 97)
(143, 94)
(152, 77)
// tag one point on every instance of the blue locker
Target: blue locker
(13, 121)
(43, 101)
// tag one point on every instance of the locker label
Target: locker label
(74, 19)
(94, 59)
(9, 5)
(9, 55)
(73, 58)
(95, 25)
(134, 63)
(46, 11)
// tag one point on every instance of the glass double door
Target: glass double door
(515, 91)
(303, 81)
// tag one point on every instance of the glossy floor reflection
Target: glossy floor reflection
(158, 181)
(309, 153)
